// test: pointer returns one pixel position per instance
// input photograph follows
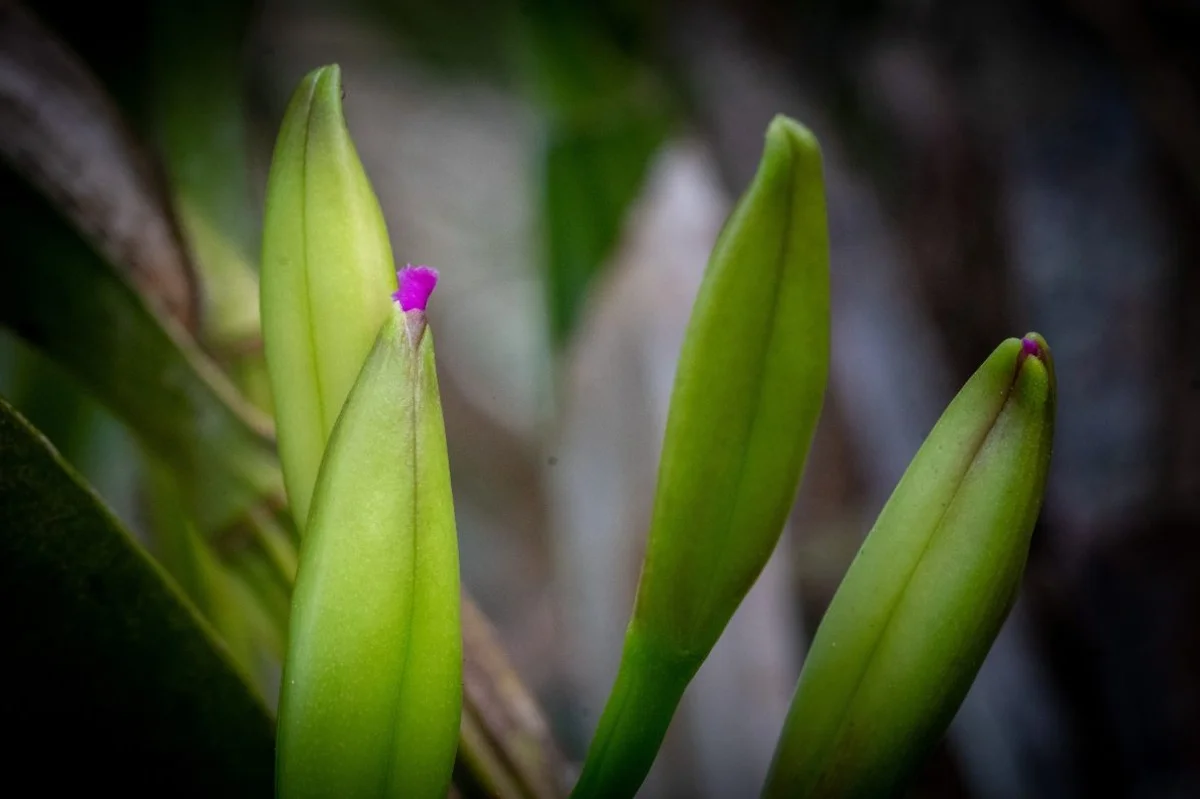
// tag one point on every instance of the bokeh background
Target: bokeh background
(992, 168)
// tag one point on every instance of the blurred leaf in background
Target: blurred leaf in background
(105, 290)
(70, 304)
(197, 112)
(607, 114)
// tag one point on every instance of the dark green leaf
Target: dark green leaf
(59, 295)
(609, 113)
(101, 282)
(592, 176)
(114, 681)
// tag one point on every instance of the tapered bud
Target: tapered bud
(928, 591)
(326, 275)
(372, 689)
(748, 391)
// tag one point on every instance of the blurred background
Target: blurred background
(992, 168)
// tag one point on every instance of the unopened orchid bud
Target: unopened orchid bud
(326, 274)
(372, 684)
(928, 591)
(748, 391)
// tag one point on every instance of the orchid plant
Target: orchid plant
(354, 585)
(372, 681)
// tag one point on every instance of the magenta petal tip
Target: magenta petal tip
(416, 284)
(1030, 347)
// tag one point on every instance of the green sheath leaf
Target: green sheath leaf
(928, 591)
(372, 690)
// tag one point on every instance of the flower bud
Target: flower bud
(326, 272)
(928, 591)
(372, 685)
(748, 391)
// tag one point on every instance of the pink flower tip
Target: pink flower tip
(416, 284)
(1030, 347)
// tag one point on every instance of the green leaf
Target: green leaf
(197, 103)
(51, 402)
(63, 298)
(592, 176)
(191, 561)
(261, 558)
(115, 681)
(608, 116)
(101, 282)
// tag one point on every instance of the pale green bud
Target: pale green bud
(326, 274)
(748, 392)
(928, 591)
(372, 690)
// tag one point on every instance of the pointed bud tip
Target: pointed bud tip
(786, 135)
(323, 79)
(1035, 363)
(1032, 345)
(783, 125)
(332, 70)
(416, 284)
(791, 160)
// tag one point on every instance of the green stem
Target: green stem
(650, 683)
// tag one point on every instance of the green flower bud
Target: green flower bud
(928, 591)
(372, 685)
(748, 391)
(326, 272)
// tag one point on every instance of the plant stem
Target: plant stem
(650, 683)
